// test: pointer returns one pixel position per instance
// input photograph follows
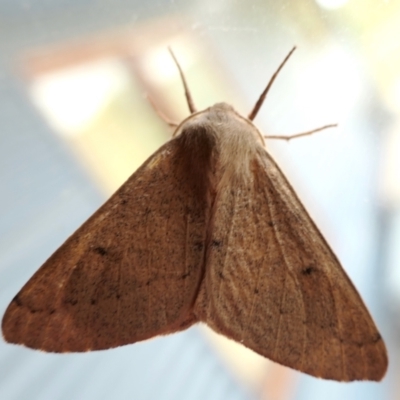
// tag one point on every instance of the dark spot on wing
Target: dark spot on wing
(309, 270)
(377, 338)
(100, 250)
(198, 246)
(147, 211)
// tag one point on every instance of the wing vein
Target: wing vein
(253, 301)
(280, 317)
(45, 328)
(187, 233)
(165, 273)
(57, 299)
(338, 325)
(148, 266)
(118, 322)
(280, 247)
(227, 244)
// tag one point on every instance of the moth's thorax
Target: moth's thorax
(234, 139)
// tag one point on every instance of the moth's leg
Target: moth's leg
(297, 135)
(161, 114)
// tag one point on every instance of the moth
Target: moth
(207, 230)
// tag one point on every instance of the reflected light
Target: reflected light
(71, 98)
(159, 66)
(331, 4)
(394, 95)
(337, 74)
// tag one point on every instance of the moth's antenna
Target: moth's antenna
(189, 99)
(297, 135)
(260, 101)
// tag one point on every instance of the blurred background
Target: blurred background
(75, 123)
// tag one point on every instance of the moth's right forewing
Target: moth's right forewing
(130, 272)
(274, 285)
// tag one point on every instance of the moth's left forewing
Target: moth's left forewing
(128, 273)
(273, 284)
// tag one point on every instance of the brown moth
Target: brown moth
(208, 230)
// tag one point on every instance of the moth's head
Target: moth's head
(222, 108)
(221, 121)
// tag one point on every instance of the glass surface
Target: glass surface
(75, 123)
